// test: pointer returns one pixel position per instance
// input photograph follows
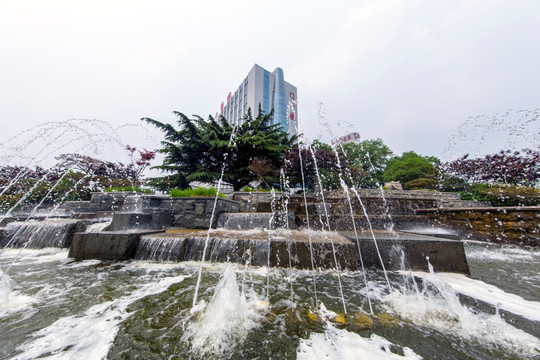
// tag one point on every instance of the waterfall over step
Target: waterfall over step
(159, 248)
(256, 247)
(40, 234)
(165, 248)
(99, 226)
(259, 220)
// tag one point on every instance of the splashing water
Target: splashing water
(437, 307)
(482, 134)
(5, 287)
(338, 270)
(225, 322)
(341, 344)
(78, 308)
(218, 189)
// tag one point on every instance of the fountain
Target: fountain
(126, 263)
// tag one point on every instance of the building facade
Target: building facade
(270, 91)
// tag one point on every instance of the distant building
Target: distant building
(271, 91)
(353, 137)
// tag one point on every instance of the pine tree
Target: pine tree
(199, 149)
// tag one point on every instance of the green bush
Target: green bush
(250, 189)
(129, 188)
(210, 192)
(452, 184)
(7, 201)
(503, 195)
(420, 183)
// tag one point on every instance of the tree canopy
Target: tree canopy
(74, 177)
(367, 161)
(361, 164)
(506, 166)
(327, 165)
(413, 170)
(199, 150)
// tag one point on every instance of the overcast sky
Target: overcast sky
(409, 72)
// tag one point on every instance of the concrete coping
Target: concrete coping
(384, 235)
(483, 209)
(184, 198)
(151, 196)
(117, 192)
(130, 231)
(260, 235)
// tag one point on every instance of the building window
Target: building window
(266, 92)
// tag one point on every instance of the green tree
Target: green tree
(367, 161)
(412, 170)
(326, 163)
(200, 149)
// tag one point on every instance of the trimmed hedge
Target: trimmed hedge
(198, 192)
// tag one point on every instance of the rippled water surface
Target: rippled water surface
(53, 306)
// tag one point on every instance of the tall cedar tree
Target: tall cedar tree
(199, 148)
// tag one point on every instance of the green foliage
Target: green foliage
(50, 187)
(410, 166)
(497, 195)
(250, 189)
(199, 149)
(7, 201)
(367, 161)
(168, 182)
(317, 157)
(198, 192)
(129, 188)
(451, 183)
(318, 145)
(420, 183)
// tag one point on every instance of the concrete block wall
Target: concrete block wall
(517, 225)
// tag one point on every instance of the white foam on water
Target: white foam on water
(11, 300)
(225, 322)
(343, 345)
(437, 307)
(491, 294)
(6, 287)
(88, 335)
(83, 263)
(504, 253)
(36, 255)
(151, 266)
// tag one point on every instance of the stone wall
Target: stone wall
(516, 225)
(249, 201)
(196, 212)
(158, 211)
(396, 201)
(100, 201)
(112, 245)
(412, 252)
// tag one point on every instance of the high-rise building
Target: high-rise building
(270, 91)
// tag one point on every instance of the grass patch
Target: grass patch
(198, 192)
(129, 188)
(250, 189)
